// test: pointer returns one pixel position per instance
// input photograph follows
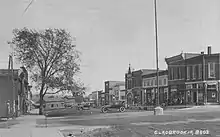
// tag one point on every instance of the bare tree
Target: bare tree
(52, 59)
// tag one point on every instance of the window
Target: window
(122, 97)
(169, 74)
(188, 72)
(160, 81)
(175, 73)
(211, 70)
(180, 73)
(193, 72)
(52, 105)
(148, 83)
(152, 82)
(200, 71)
(164, 81)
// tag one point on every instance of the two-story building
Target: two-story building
(203, 77)
(133, 85)
(194, 78)
(109, 92)
(150, 87)
(177, 76)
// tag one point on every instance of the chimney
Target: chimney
(209, 50)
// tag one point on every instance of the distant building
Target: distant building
(99, 103)
(54, 104)
(70, 101)
(109, 92)
(93, 97)
(133, 86)
(150, 87)
(102, 98)
(119, 92)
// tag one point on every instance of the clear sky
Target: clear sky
(113, 33)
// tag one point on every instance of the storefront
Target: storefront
(177, 95)
(202, 93)
(172, 94)
(135, 97)
(150, 95)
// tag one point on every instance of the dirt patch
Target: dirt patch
(8, 124)
(112, 131)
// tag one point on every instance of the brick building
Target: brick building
(194, 78)
(150, 87)
(133, 86)
(177, 75)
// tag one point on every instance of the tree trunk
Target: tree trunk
(41, 100)
(41, 105)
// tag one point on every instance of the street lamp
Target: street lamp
(158, 110)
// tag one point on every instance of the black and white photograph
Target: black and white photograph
(109, 68)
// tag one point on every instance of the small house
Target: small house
(54, 104)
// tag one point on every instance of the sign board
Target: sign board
(173, 89)
(213, 95)
(165, 90)
(189, 86)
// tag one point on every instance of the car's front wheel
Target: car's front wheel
(122, 109)
(104, 110)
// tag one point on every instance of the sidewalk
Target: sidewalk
(26, 127)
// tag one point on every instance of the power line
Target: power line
(28, 7)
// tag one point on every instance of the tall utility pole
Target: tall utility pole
(10, 68)
(156, 41)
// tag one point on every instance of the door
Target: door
(194, 97)
(212, 96)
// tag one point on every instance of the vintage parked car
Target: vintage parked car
(119, 105)
(84, 106)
